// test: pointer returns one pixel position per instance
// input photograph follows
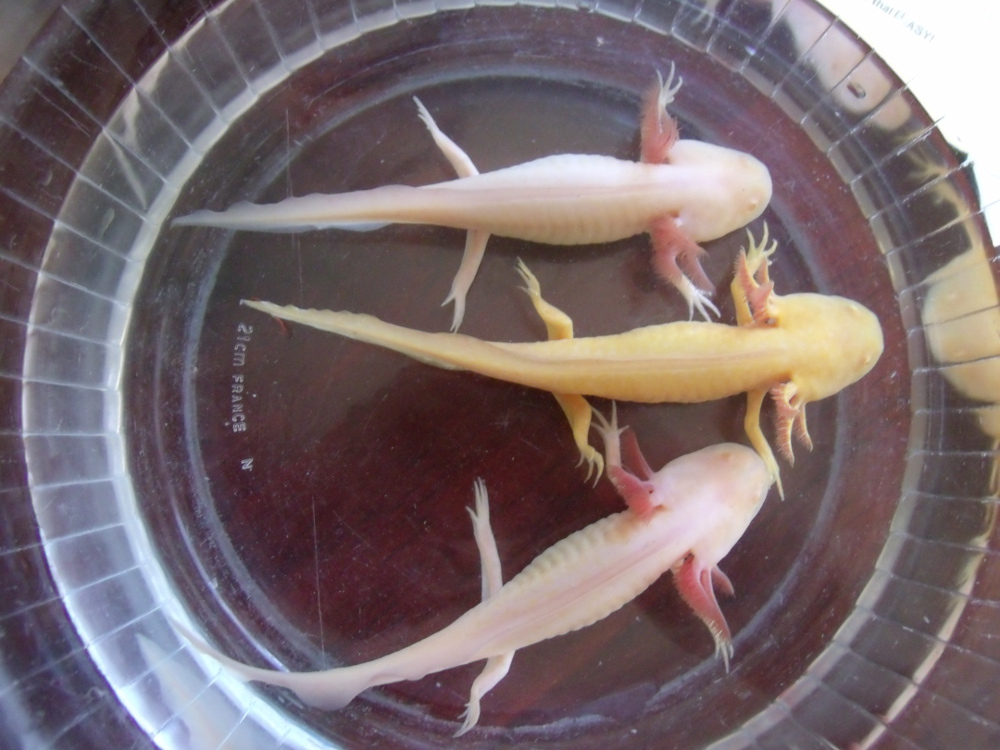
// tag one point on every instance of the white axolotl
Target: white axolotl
(690, 515)
(682, 192)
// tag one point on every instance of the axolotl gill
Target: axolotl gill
(681, 192)
(798, 348)
(704, 503)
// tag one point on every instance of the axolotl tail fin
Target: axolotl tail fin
(328, 690)
(451, 351)
(361, 211)
(302, 216)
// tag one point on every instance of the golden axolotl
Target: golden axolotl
(681, 192)
(798, 347)
(703, 504)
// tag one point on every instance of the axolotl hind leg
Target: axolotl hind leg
(576, 408)
(496, 666)
(476, 239)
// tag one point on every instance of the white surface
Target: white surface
(945, 50)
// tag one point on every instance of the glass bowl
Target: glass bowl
(299, 500)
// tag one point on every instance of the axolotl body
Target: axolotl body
(798, 347)
(704, 504)
(681, 192)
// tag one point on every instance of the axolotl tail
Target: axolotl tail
(450, 351)
(328, 690)
(361, 211)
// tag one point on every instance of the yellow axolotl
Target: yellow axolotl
(797, 347)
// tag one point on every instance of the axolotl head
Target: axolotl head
(717, 489)
(840, 341)
(725, 189)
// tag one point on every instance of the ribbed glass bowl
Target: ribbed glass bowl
(300, 500)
